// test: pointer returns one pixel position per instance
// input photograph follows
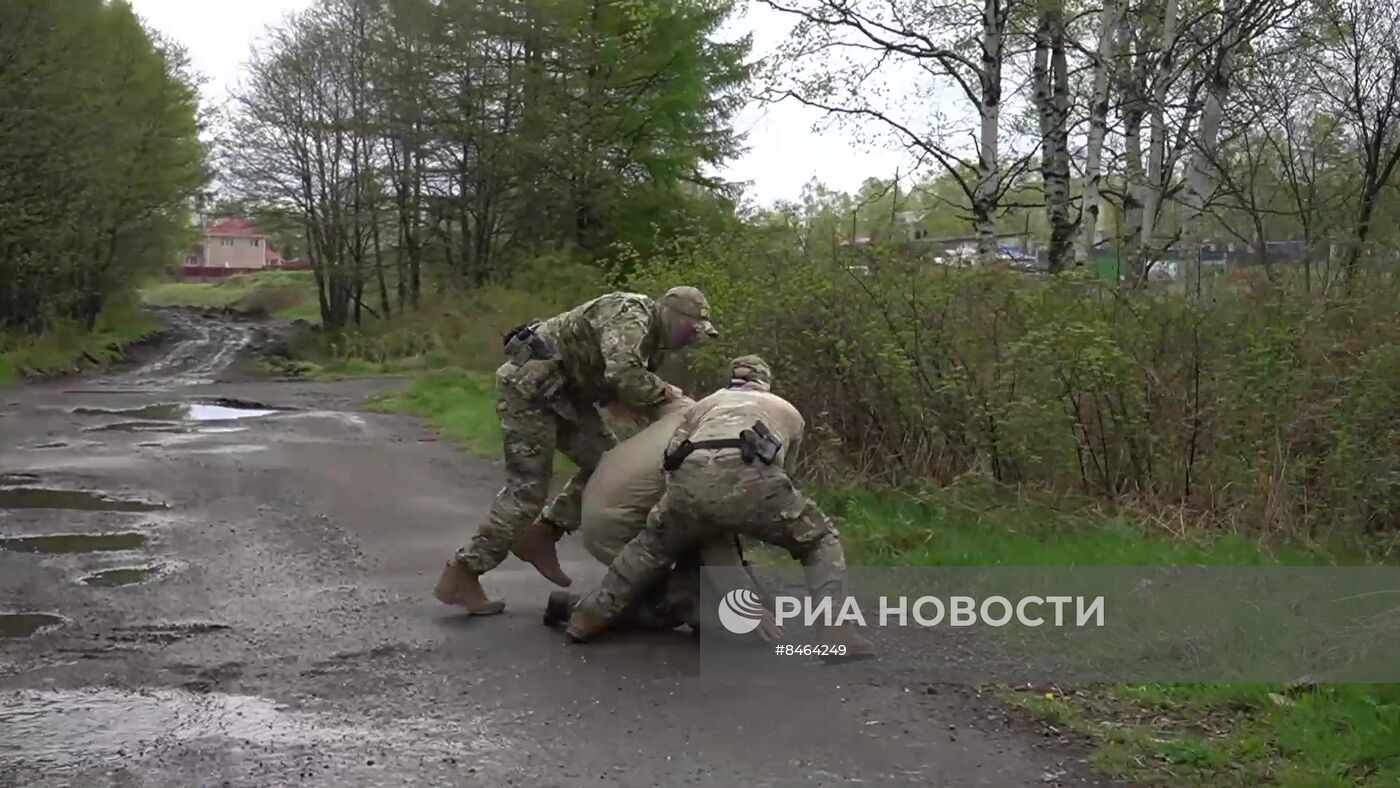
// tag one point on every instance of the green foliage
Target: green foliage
(99, 156)
(69, 347)
(1259, 409)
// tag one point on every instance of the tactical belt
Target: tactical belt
(674, 459)
(756, 441)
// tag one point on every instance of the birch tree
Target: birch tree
(1103, 64)
(833, 62)
(1052, 100)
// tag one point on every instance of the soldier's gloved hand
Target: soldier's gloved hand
(768, 629)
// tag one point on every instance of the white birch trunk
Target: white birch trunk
(1089, 206)
(1199, 182)
(988, 182)
(1152, 194)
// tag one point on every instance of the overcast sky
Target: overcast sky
(784, 150)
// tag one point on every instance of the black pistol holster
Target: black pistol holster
(523, 343)
(754, 442)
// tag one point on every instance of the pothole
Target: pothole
(49, 498)
(23, 625)
(73, 543)
(60, 728)
(207, 410)
(140, 426)
(126, 576)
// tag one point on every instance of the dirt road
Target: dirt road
(236, 591)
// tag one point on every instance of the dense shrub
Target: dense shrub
(1253, 406)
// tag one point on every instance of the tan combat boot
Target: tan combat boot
(534, 544)
(583, 626)
(461, 587)
(556, 610)
(857, 647)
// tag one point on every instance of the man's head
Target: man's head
(750, 372)
(685, 314)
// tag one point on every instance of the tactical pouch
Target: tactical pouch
(540, 380)
(758, 442)
(523, 343)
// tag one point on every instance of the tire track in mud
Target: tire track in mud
(204, 348)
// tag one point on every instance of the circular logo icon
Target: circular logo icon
(740, 611)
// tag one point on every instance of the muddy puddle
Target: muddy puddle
(50, 498)
(213, 410)
(126, 576)
(61, 728)
(22, 625)
(55, 544)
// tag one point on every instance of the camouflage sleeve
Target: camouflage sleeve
(624, 367)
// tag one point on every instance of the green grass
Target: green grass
(285, 295)
(1173, 734)
(459, 403)
(66, 348)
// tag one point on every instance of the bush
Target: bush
(1257, 406)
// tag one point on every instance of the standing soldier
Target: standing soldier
(605, 351)
(730, 465)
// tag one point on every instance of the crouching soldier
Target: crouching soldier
(604, 351)
(623, 489)
(722, 483)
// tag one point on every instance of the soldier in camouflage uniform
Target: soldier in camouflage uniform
(604, 351)
(713, 492)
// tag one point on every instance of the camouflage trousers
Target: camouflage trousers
(711, 496)
(531, 432)
(672, 600)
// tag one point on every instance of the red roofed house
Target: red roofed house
(231, 246)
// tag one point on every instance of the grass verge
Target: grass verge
(67, 348)
(461, 404)
(1162, 734)
(285, 295)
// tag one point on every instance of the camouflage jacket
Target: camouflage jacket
(726, 412)
(611, 348)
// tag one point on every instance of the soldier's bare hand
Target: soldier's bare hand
(620, 411)
(768, 628)
(673, 391)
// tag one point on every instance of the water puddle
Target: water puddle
(22, 625)
(11, 479)
(49, 498)
(140, 426)
(209, 410)
(55, 544)
(54, 445)
(63, 728)
(128, 576)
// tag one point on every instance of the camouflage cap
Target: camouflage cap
(690, 302)
(750, 369)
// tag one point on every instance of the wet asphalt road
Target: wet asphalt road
(280, 629)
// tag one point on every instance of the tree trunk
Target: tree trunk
(988, 185)
(1157, 143)
(1098, 129)
(1052, 104)
(1200, 183)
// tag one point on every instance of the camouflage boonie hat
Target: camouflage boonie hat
(750, 369)
(690, 302)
